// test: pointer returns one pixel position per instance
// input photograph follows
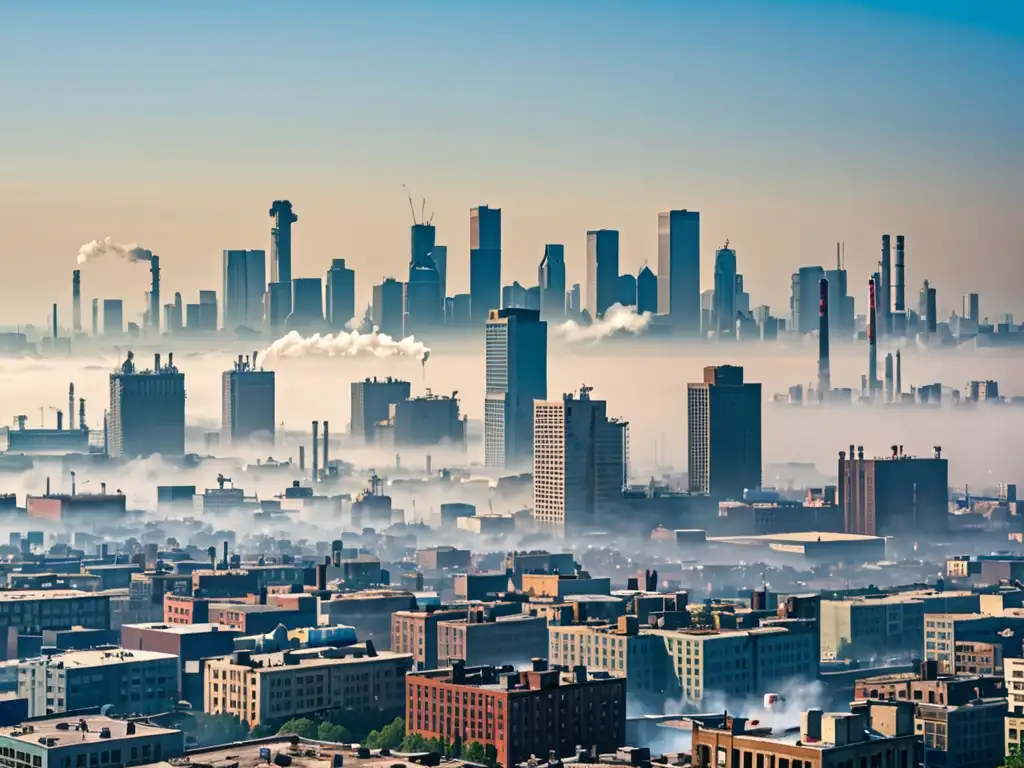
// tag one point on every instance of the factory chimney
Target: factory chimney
(302, 458)
(60, 420)
(81, 414)
(824, 370)
(872, 348)
(888, 377)
(884, 286)
(901, 298)
(316, 449)
(71, 406)
(154, 295)
(899, 376)
(327, 439)
(76, 302)
(54, 322)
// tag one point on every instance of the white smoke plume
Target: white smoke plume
(344, 344)
(108, 247)
(618, 319)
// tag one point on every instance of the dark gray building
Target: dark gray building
(307, 302)
(428, 420)
(647, 291)
(281, 257)
(371, 403)
(679, 270)
(340, 296)
(247, 403)
(724, 430)
(551, 279)
(389, 308)
(484, 262)
(113, 317)
(803, 301)
(602, 290)
(245, 282)
(147, 410)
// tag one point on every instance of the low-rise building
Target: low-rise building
(369, 612)
(518, 714)
(943, 632)
(415, 633)
(559, 585)
(622, 650)
(481, 639)
(50, 609)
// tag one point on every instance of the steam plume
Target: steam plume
(344, 344)
(618, 319)
(107, 247)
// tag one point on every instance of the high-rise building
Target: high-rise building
(245, 283)
(971, 308)
(679, 270)
(423, 306)
(147, 410)
(514, 296)
(841, 323)
(208, 311)
(421, 243)
(281, 260)
(440, 257)
(389, 307)
(516, 376)
(340, 296)
(113, 317)
(602, 271)
(484, 262)
(95, 317)
(307, 302)
(724, 433)
(742, 301)
(427, 420)
(579, 462)
(646, 291)
(192, 324)
(247, 403)
(176, 320)
(884, 283)
(371, 404)
(928, 308)
(551, 279)
(725, 293)
(575, 300)
(803, 300)
(626, 290)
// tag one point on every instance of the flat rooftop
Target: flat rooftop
(309, 658)
(44, 594)
(182, 629)
(799, 537)
(307, 755)
(100, 658)
(48, 729)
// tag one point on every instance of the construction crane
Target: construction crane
(412, 208)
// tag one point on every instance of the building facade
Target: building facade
(245, 283)
(248, 410)
(340, 296)
(147, 411)
(371, 403)
(679, 270)
(602, 289)
(484, 262)
(551, 279)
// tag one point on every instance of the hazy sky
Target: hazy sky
(789, 125)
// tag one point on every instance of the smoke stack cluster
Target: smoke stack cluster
(824, 369)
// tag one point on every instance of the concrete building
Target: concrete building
(551, 279)
(516, 377)
(803, 300)
(207, 317)
(1013, 675)
(113, 317)
(491, 706)
(579, 461)
(388, 308)
(602, 289)
(252, 686)
(679, 270)
(894, 494)
(478, 639)
(724, 433)
(104, 741)
(427, 420)
(340, 296)
(484, 262)
(415, 633)
(371, 404)
(368, 612)
(40, 610)
(248, 404)
(307, 303)
(245, 283)
(946, 633)
(147, 410)
(144, 682)
(622, 650)
(188, 642)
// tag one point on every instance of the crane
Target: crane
(412, 208)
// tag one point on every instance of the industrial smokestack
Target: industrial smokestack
(899, 376)
(71, 406)
(76, 303)
(60, 420)
(872, 349)
(884, 286)
(54, 322)
(824, 370)
(302, 458)
(888, 377)
(154, 295)
(901, 297)
(327, 439)
(81, 414)
(95, 317)
(316, 449)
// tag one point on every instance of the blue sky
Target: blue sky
(788, 124)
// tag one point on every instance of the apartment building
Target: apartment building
(1013, 675)
(621, 650)
(103, 742)
(415, 633)
(368, 612)
(480, 639)
(50, 609)
(944, 632)
(138, 682)
(274, 687)
(518, 714)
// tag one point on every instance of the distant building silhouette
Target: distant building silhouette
(551, 279)
(281, 257)
(113, 317)
(307, 303)
(389, 307)
(602, 271)
(626, 290)
(803, 300)
(247, 404)
(646, 291)
(245, 283)
(725, 293)
(371, 403)
(340, 296)
(147, 410)
(440, 257)
(679, 270)
(484, 262)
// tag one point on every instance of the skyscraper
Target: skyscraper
(245, 283)
(371, 404)
(247, 403)
(440, 257)
(307, 302)
(971, 307)
(281, 258)
(725, 292)
(389, 307)
(421, 243)
(484, 262)
(208, 311)
(626, 290)
(516, 376)
(646, 291)
(147, 410)
(884, 287)
(602, 271)
(113, 317)
(742, 297)
(579, 462)
(340, 296)
(679, 270)
(76, 301)
(551, 279)
(724, 429)
(423, 301)
(803, 300)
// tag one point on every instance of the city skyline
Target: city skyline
(783, 149)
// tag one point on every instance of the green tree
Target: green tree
(474, 752)
(209, 730)
(390, 736)
(302, 727)
(491, 753)
(333, 732)
(1015, 759)
(414, 742)
(261, 731)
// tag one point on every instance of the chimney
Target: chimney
(71, 406)
(316, 449)
(824, 367)
(156, 362)
(327, 439)
(76, 304)
(54, 321)
(60, 420)
(225, 555)
(321, 576)
(302, 458)
(81, 414)
(901, 305)
(47, 486)
(254, 353)
(633, 584)
(872, 348)
(899, 377)
(154, 296)
(170, 359)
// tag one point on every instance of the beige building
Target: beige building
(279, 686)
(1013, 673)
(620, 650)
(104, 743)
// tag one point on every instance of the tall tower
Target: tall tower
(281, 241)
(245, 282)
(901, 299)
(76, 302)
(153, 314)
(679, 270)
(725, 293)
(551, 279)
(602, 271)
(484, 262)
(883, 286)
(516, 376)
(872, 339)
(824, 367)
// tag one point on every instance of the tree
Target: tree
(261, 731)
(491, 753)
(390, 736)
(209, 730)
(414, 742)
(1015, 759)
(333, 732)
(474, 752)
(302, 727)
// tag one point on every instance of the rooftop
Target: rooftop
(181, 629)
(307, 658)
(32, 733)
(306, 755)
(100, 658)
(10, 595)
(799, 537)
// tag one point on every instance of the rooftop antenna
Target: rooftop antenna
(726, 246)
(839, 263)
(844, 254)
(412, 208)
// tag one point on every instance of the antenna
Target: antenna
(412, 208)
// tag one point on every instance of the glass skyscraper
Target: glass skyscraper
(679, 270)
(484, 262)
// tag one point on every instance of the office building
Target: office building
(340, 296)
(646, 291)
(490, 706)
(602, 271)
(427, 420)
(93, 740)
(626, 290)
(893, 494)
(841, 324)
(579, 461)
(803, 300)
(725, 293)
(388, 309)
(423, 301)
(551, 279)
(679, 270)
(307, 303)
(516, 376)
(142, 682)
(281, 257)
(927, 309)
(971, 308)
(477, 638)
(421, 243)
(440, 257)
(245, 283)
(247, 404)
(371, 404)
(147, 410)
(113, 317)
(248, 685)
(515, 296)
(208, 311)
(724, 433)
(415, 633)
(484, 262)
